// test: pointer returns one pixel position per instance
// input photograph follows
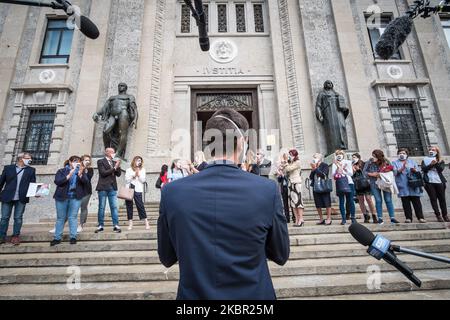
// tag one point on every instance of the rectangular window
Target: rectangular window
(408, 127)
(222, 18)
(240, 18)
(57, 43)
(185, 19)
(259, 17)
(446, 27)
(35, 132)
(376, 29)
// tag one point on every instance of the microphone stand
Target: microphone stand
(420, 254)
(59, 4)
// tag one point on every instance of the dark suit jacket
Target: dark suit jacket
(62, 185)
(107, 176)
(8, 180)
(221, 225)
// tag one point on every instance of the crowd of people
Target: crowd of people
(354, 181)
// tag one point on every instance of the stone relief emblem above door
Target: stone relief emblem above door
(223, 51)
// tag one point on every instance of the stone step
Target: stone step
(136, 246)
(149, 255)
(42, 234)
(286, 287)
(390, 296)
(156, 272)
(310, 227)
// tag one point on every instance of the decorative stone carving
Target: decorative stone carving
(47, 76)
(395, 72)
(223, 51)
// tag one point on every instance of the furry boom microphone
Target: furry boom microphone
(394, 36)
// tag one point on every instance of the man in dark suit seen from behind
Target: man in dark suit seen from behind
(222, 224)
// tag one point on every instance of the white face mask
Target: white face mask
(339, 158)
(245, 146)
(113, 156)
(433, 154)
(27, 162)
(316, 161)
(86, 163)
(403, 157)
(138, 163)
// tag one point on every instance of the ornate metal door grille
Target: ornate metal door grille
(240, 18)
(35, 132)
(408, 126)
(222, 17)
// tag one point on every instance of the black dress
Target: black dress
(321, 200)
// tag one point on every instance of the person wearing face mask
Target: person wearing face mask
(250, 163)
(86, 167)
(135, 178)
(404, 166)
(176, 171)
(283, 183)
(294, 174)
(199, 162)
(435, 182)
(320, 169)
(14, 183)
(342, 168)
(372, 170)
(363, 195)
(70, 189)
(223, 224)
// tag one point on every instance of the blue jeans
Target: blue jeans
(67, 210)
(112, 199)
(379, 201)
(349, 197)
(19, 209)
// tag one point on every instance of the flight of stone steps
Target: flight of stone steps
(325, 262)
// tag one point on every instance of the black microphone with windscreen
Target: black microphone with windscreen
(87, 27)
(393, 37)
(202, 27)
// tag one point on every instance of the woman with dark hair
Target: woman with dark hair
(176, 171)
(373, 169)
(363, 195)
(320, 170)
(70, 182)
(293, 171)
(135, 178)
(163, 175)
(403, 167)
(435, 182)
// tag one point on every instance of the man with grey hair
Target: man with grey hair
(14, 183)
(264, 164)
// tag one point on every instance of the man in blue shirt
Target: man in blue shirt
(14, 183)
(222, 224)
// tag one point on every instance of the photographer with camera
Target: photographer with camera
(70, 182)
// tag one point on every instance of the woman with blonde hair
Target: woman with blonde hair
(435, 182)
(293, 170)
(283, 182)
(251, 163)
(342, 172)
(135, 178)
(199, 162)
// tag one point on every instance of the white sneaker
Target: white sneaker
(147, 225)
(52, 231)
(130, 225)
(80, 229)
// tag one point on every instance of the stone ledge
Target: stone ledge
(404, 82)
(42, 87)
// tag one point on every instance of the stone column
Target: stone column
(358, 87)
(89, 84)
(9, 45)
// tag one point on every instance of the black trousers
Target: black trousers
(139, 205)
(436, 191)
(415, 201)
(285, 197)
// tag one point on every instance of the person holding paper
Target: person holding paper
(14, 183)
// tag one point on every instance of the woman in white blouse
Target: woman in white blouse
(135, 178)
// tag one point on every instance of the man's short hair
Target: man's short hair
(226, 127)
(22, 155)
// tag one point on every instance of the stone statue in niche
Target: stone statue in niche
(119, 113)
(332, 112)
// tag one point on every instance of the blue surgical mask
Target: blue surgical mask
(433, 154)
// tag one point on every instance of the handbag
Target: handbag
(415, 180)
(158, 183)
(126, 193)
(361, 183)
(342, 185)
(322, 185)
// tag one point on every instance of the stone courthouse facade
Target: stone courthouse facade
(268, 59)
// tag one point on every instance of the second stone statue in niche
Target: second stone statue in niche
(119, 113)
(332, 112)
